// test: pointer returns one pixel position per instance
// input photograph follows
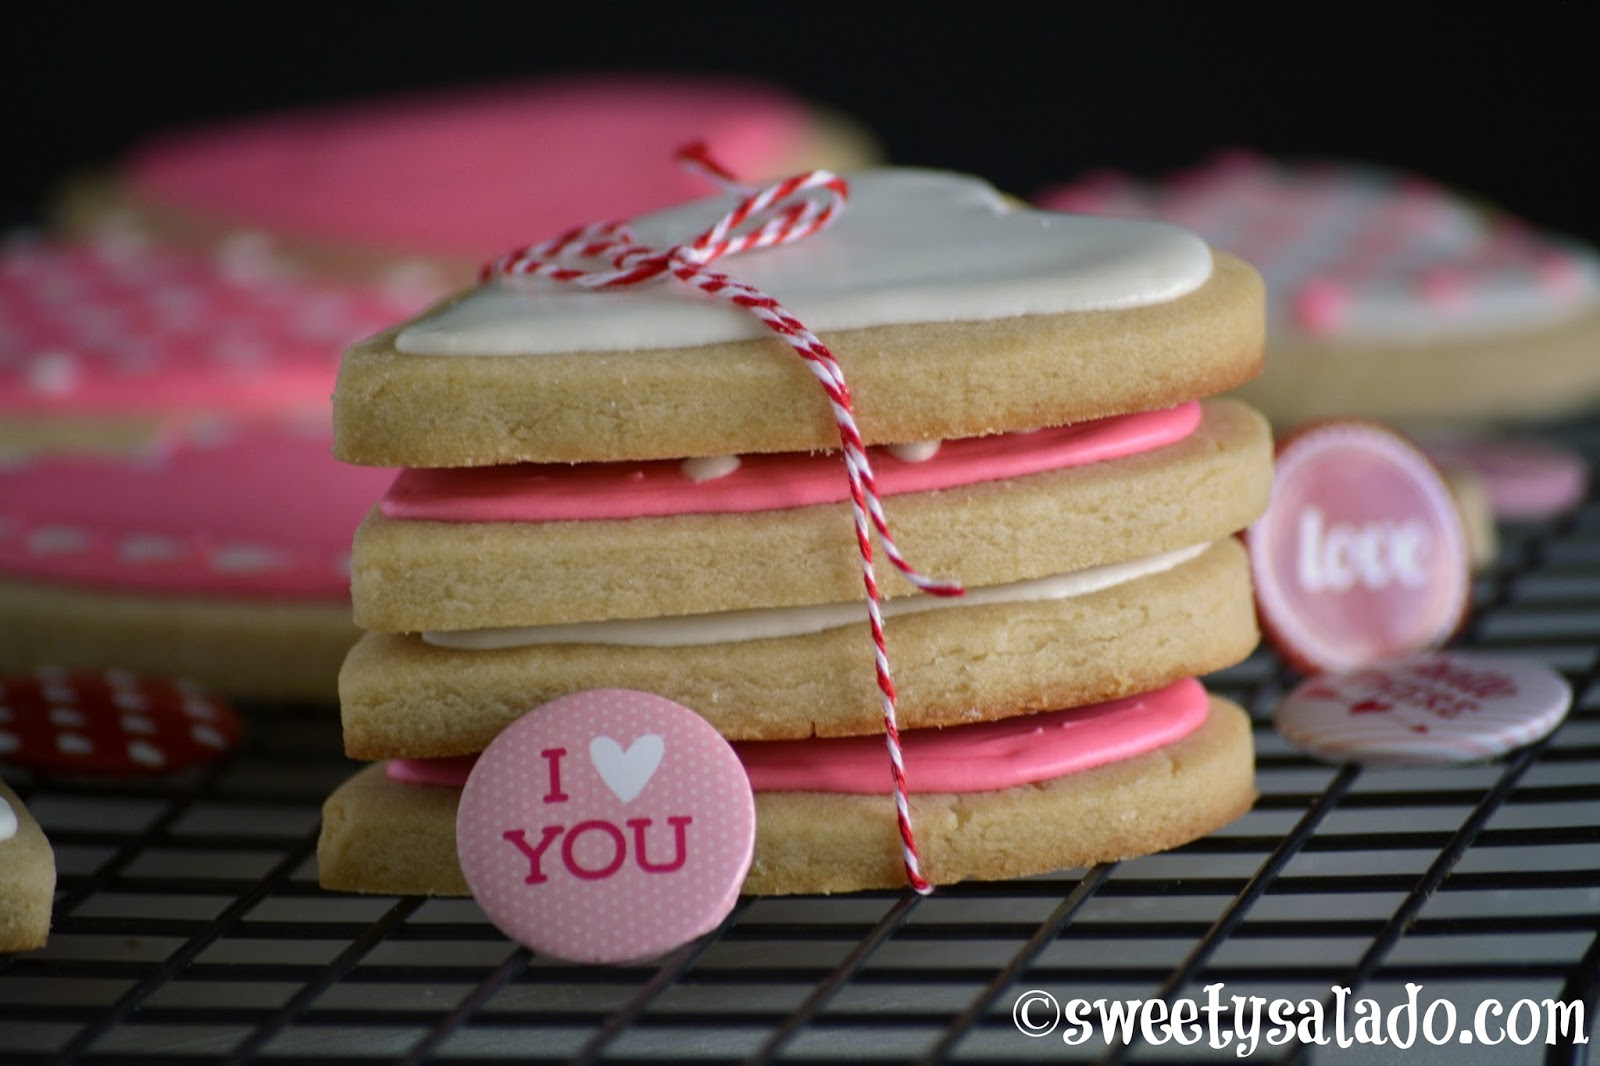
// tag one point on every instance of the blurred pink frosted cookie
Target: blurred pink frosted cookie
(1387, 295)
(425, 187)
(104, 342)
(220, 560)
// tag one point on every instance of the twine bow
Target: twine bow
(782, 213)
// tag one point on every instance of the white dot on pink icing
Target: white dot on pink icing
(709, 467)
(53, 373)
(54, 540)
(149, 548)
(249, 258)
(246, 559)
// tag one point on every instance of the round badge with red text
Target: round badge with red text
(1361, 554)
(606, 826)
(110, 723)
(1440, 707)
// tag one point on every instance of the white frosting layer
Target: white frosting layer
(725, 627)
(911, 246)
(8, 820)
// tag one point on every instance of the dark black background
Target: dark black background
(1500, 102)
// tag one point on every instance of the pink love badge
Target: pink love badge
(1440, 707)
(606, 826)
(1361, 555)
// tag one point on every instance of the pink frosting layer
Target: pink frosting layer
(91, 329)
(262, 513)
(473, 172)
(541, 492)
(972, 758)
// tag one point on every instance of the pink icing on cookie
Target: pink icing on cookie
(473, 172)
(266, 513)
(1349, 248)
(103, 329)
(539, 492)
(969, 758)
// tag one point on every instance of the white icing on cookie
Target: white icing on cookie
(911, 246)
(765, 623)
(916, 451)
(709, 467)
(8, 820)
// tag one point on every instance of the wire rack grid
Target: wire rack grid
(189, 926)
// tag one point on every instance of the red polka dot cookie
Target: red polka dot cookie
(668, 486)
(220, 557)
(106, 342)
(1388, 296)
(422, 188)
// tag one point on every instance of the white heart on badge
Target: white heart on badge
(626, 773)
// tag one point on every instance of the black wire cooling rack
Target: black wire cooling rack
(189, 927)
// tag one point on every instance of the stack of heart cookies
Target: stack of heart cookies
(643, 488)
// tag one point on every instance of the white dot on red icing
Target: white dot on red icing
(120, 678)
(204, 734)
(246, 559)
(129, 700)
(56, 692)
(137, 723)
(189, 688)
(74, 744)
(709, 467)
(57, 540)
(199, 709)
(145, 754)
(8, 742)
(53, 373)
(66, 717)
(50, 673)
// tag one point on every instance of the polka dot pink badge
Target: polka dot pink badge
(606, 826)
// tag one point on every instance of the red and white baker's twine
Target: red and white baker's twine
(787, 211)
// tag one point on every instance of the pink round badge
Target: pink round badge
(1440, 707)
(1527, 479)
(606, 826)
(1361, 555)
